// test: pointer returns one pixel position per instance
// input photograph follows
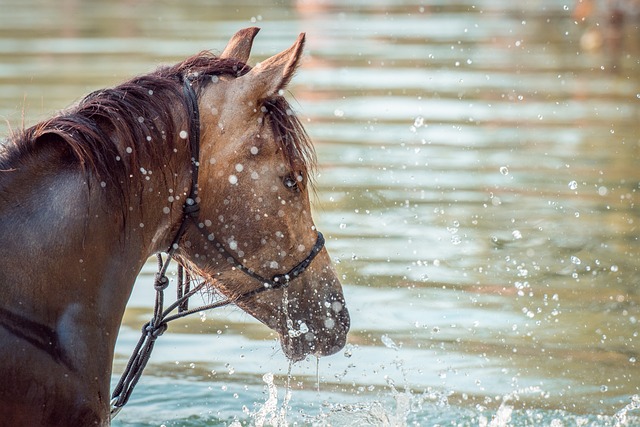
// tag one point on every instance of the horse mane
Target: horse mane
(120, 132)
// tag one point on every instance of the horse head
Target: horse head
(255, 220)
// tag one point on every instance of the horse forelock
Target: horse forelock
(291, 136)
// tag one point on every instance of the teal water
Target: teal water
(478, 187)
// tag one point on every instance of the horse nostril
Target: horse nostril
(339, 310)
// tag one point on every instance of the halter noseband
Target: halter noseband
(161, 317)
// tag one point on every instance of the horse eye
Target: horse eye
(291, 182)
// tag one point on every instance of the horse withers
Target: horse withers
(88, 195)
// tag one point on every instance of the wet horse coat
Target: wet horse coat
(87, 196)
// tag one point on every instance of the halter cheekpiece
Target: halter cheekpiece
(190, 211)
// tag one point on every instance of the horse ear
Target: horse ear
(272, 75)
(239, 47)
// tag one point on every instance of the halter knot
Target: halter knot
(282, 280)
(161, 283)
(154, 331)
(191, 210)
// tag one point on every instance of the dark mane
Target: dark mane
(120, 132)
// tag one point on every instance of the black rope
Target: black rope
(161, 317)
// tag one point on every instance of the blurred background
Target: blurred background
(479, 174)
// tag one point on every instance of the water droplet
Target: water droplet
(183, 134)
(303, 328)
(418, 122)
(329, 323)
(504, 170)
(573, 185)
(388, 342)
(575, 260)
(516, 234)
(348, 350)
(233, 179)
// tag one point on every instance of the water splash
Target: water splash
(502, 417)
(270, 413)
(397, 412)
(621, 416)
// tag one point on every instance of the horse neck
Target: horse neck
(68, 261)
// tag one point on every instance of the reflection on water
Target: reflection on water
(478, 188)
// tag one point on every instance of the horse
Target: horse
(203, 160)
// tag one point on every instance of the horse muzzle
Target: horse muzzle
(319, 330)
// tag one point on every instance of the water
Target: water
(478, 187)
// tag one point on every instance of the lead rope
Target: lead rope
(155, 328)
(159, 323)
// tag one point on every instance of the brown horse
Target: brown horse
(87, 196)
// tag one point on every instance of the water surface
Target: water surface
(478, 186)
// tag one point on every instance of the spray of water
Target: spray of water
(621, 417)
(270, 413)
